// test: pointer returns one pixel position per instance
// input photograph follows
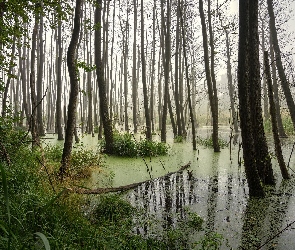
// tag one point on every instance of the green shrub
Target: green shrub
(178, 139)
(208, 142)
(126, 145)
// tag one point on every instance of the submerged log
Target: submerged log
(126, 187)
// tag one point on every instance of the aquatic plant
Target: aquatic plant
(126, 145)
(178, 139)
(208, 142)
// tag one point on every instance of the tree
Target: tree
(103, 104)
(248, 30)
(134, 78)
(212, 92)
(74, 83)
(59, 83)
(263, 161)
(145, 93)
(278, 59)
(274, 122)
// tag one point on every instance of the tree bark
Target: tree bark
(74, 83)
(262, 157)
(187, 81)
(275, 131)
(40, 125)
(145, 92)
(211, 88)
(59, 85)
(278, 59)
(255, 187)
(103, 103)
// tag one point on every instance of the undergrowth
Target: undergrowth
(208, 142)
(126, 145)
(39, 212)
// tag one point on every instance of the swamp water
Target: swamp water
(214, 187)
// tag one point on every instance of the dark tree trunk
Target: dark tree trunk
(103, 103)
(282, 132)
(166, 62)
(263, 161)
(187, 81)
(211, 87)
(134, 79)
(278, 59)
(145, 94)
(40, 124)
(275, 131)
(255, 188)
(33, 118)
(214, 87)
(59, 85)
(8, 81)
(74, 83)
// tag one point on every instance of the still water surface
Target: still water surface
(214, 186)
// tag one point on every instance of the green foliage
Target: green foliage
(113, 209)
(85, 66)
(211, 241)
(126, 145)
(82, 160)
(208, 142)
(178, 139)
(288, 125)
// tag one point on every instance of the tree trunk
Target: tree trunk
(278, 59)
(103, 104)
(59, 85)
(145, 94)
(40, 125)
(263, 161)
(255, 188)
(134, 79)
(74, 83)
(166, 62)
(282, 132)
(230, 85)
(275, 131)
(187, 81)
(33, 121)
(212, 92)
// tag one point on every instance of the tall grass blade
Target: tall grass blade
(44, 240)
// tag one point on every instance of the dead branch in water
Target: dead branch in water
(126, 187)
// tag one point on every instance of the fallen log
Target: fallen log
(126, 187)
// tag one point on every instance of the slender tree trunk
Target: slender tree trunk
(275, 131)
(59, 84)
(212, 92)
(187, 80)
(74, 83)
(33, 121)
(40, 125)
(5, 94)
(265, 99)
(145, 94)
(166, 62)
(230, 85)
(103, 103)
(134, 79)
(278, 59)
(282, 132)
(176, 81)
